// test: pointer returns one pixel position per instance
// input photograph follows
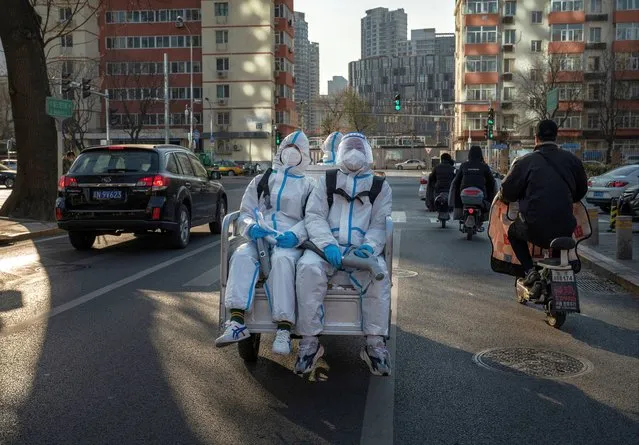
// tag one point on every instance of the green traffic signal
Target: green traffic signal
(398, 102)
(278, 138)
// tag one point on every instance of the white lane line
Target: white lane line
(379, 410)
(113, 286)
(399, 217)
(52, 238)
(208, 278)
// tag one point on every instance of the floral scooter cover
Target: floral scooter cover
(503, 259)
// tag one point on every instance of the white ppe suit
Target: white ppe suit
(283, 211)
(329, 147)
(349, 225)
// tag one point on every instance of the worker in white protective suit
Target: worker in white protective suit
(330, 147)
(355, 221)
(284, 193)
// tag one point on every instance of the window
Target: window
(199, 169)
(568, 33)
(224, 118)
(223, 91)
(594, 63)
(481, 92)
(222, 63)
(65, 14)
(509, 93)
(509, 65)
(186, 166)
(535, 74)
(510, 9)
(66, 41)
(221, 37)
(537, 17)
(632, 88)
(135, 42)
(481, 64)
(625, 5)
(171, 165)
(221, 9)
(628, 62)
(481, 34)
(570, 63)
(593, 121)
(510, 36)
(509, 122)
(567, 5)
(572, 121)
(569, 91)
(627, 31)
(594, 91)
(475, 121)
(628, 119)
(152, 16)
(596, 7)
(481, 7)
(535, 46)
(595, 35)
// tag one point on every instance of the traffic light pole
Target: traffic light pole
(105, 95)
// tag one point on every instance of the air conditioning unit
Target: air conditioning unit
(222, 74)
(222, 101)
(222, 128)
(237, 147)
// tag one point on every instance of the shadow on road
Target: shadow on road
(602, 335)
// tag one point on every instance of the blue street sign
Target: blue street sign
(500, 146)
(571, 146)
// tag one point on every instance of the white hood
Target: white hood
(330, 147)
(354, 141)
(299, 139)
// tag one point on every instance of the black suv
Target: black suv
(138, 188)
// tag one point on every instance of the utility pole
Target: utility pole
(166, 99)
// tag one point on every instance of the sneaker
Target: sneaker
(233, 333)
(531, 278)
(377, 358)
(307, 357)
(282, 342)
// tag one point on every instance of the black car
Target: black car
(7, 177)
(138, 189)
(630, 198)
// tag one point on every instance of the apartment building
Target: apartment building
(336, 85)
(505, 50)
(382, 31)
(306, 73)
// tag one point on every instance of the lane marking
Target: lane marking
(208, 278)
(379, 410)
(399, 217)
(109, 288)
(52, 238)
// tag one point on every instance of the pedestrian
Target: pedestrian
(67, 161)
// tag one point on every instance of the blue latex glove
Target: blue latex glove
(363, 251)
(288, 240)
(333, 255)
(256, 232)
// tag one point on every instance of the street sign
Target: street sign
(212, 138)
(571, 146)
(500, 146)
(60, 108)
(196, 135)
(552, 100)
(428, 150)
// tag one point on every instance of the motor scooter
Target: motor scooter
(472, 199)
(442, 208)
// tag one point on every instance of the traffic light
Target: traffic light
(491, 117)
(278, 138)
(490, 132)
(66, 82)
(398, 102)
(486, 131)
(86, 88)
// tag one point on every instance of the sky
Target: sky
(335, 24)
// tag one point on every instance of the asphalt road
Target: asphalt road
(116, 346)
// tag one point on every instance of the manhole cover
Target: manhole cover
(533, 362)
(403, 273)
(592, 283)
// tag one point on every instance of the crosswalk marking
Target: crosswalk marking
(208, 278)
(399, 217)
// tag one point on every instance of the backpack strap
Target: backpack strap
(376, 188)
(331, 185)
(263, 188)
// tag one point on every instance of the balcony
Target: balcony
(569, 76)
(508, 20)
(284, 78)
(507, 77)
(566, 47)
(627, 75)
(596, 17)
(284, 52)
(566, 17)
(481, 20)
(481, 49)
(626, 16)
(508, 48)
(625, 46)
(481, 78)
(286, 25)
(596, 45)
(594, 75)
(591, 104)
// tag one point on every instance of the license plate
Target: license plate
(564, 291)
(598, 194)
(107, 195)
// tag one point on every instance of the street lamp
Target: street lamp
(179, 24)
(208, 101)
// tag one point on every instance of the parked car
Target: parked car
(602, 189)
(631, 160)
(411, 164)
(138, 189)
(11, 164)
(7, 176)
(229, 168)
(630, 197)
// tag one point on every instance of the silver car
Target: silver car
(411, 164)
(602, 189)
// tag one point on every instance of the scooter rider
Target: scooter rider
(440, 179)
(474, 173)
(546, 183)
(353, 216)
(330, 147)
(281, 195)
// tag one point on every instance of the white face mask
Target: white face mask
(354, 160)
(291, 157)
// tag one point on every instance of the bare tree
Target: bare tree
(357, 113)
(6, 115)
(533, 84)
(333, 109)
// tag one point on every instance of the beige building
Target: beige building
(507, 49)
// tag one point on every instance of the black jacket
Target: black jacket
(474, 173)
(546, 194)
(439, 181)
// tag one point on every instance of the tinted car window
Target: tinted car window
(200, 171)
(115, 161)
(171, 165)
(183, 160)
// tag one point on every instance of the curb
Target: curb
(610, 269)
(4, 239)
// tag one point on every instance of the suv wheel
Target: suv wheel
(181, 236)
(9, 183)
(82, 240)
(399, 167)
(216, 226)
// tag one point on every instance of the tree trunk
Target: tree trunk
(611, 145)
(36, 182)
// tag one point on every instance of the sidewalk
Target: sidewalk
(12, 230)
(602, 258)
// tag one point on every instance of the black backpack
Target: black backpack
(331, 189)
